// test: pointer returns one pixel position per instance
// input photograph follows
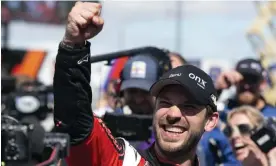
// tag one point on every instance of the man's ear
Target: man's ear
(211, 122)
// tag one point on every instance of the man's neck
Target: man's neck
(183, 160)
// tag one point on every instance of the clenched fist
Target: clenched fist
(84, 22)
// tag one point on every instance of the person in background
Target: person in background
(130, 94)
(176, 59)
(240, 122)
(138, 75)
(249, 79)
(108, 101)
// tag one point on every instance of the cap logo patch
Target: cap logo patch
(200, 82)
(138, 69)
(244, 66)
(175, 75)
(256, 66)
(214, 99)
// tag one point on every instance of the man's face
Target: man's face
(178, 121)
(248, 90)
(139, 101)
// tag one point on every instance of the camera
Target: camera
(29, 100)
(15, 142)
(18, 143)
(130, 127)
(265, 136)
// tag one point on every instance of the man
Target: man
(185, 105)
(132, 87)
(136, 78)
(249, 79)
(138, 75)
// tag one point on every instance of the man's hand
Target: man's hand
(84, 22)
(227, 79)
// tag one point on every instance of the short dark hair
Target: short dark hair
(209, 111)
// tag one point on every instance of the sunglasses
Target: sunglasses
(252, 80)
(244, 129)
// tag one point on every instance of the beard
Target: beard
(187, 145)
(247, 98)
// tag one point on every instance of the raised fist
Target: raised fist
(84, 22)
(227, 79)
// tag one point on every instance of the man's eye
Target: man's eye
(164, 103)
(189, 107)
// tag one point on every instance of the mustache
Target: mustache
(177, 122)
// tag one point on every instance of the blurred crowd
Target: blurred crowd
(54, 12)
(246, 133)
(241, 115)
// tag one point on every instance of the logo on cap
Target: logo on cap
(256, 66)
(175, 75)
(138, 69)
(200, 82)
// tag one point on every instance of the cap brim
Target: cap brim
(136, 83)
(158, 86)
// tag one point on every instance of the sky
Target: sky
(207, 29)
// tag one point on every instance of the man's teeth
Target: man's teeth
(174, 129)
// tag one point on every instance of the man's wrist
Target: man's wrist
(72, 45)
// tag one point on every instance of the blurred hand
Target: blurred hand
(84, 22)
(272, 156)
(255, 157)
(227, 79)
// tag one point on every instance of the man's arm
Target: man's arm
(72, 91)
(73, 95)
(92, 142)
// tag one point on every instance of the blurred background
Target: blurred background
(211, 35)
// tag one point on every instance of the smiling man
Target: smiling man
(185, 105)
(185, 108)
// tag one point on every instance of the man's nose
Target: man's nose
(174, 114)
